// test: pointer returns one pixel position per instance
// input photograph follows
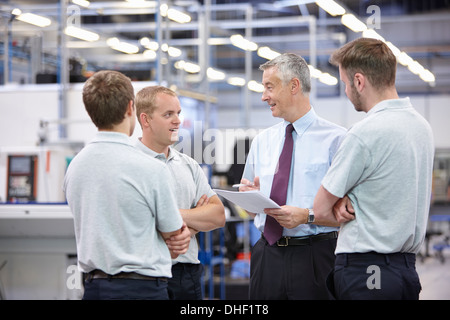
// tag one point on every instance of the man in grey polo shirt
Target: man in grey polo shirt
(384, 168)
(121, 221)
(158, 110)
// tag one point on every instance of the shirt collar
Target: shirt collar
(300, 125)
(111, 136)
(161, 156)
(390, 104)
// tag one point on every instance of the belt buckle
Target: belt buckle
(286, 242)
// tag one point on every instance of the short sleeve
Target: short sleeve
(348, 168)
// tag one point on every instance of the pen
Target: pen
(242, 185)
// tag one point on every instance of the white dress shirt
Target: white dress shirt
(315, 142)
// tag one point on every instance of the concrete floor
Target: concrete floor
(435, 277)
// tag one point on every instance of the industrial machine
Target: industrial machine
(33, 174)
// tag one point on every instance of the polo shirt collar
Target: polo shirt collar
(111, 136)
(390, 104)
(160, 156)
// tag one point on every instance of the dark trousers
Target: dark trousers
(125, 289)
(292, 272)
(185, 283)
(374, 276)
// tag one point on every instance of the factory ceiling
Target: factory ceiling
(165, 49)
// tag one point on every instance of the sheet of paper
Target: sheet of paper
(252, 201)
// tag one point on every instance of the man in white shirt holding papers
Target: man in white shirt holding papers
(295, 266)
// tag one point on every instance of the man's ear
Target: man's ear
(295, 86)
(359, 81)
(144, 119)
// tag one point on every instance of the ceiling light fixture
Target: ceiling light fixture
(331, 7)
(174, 14)
(149, 54)
(255, 86)
(149, 44)
(240, 42)
(32, 18)
(81, 34)
(267, 53)
(125, 47)
(236, 81)
(215, 74)
(187, 66)
(82, 3)
(353, 23)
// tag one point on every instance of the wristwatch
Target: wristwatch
(310, 216)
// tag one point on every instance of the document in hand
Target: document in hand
(252, 201)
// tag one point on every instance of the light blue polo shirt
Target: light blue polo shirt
(189, 182)
(385, 167)
(120, 200)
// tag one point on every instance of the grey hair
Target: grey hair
(291, 66)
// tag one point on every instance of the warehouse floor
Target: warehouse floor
(435, 277)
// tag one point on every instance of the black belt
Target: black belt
(307, 240)
(98, 274)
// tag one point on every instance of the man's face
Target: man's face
(350, 90)
(165, 119)
(277, 95)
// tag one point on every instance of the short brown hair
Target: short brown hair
(106, 96)
(371, 57)
(146, 99)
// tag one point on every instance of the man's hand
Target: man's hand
(249, 186)
(289, 217)
(179, 244)
(203, 201)
(343, 210)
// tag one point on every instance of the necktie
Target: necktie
(272, 229)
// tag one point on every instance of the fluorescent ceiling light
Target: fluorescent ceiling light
(396, 51)
(315, 73)
(82, 3)
(353, 23)
(404, 59)
(328, 79)
(331, 7)
(187, 66)
(370, 33)
(140, 4)
(240, 42)
(81, 34)
(32, 18)
(416, 67)
(174, 52)
(427, 76)
(149, 44)
(255, 86)
(214, 74)
(178, 16)
(174, 14)
(236, 81)
(149, 54)
(125, 47)
(267, 53)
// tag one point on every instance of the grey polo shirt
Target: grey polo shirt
(385, 166)
(189, 182)
(117, 212)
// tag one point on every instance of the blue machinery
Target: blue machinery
(209, 259)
